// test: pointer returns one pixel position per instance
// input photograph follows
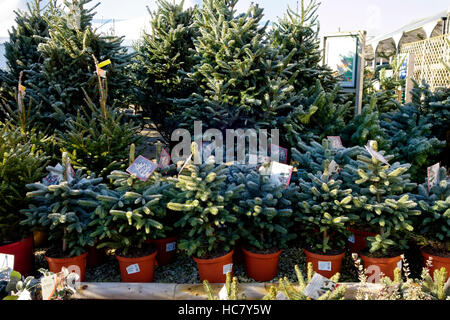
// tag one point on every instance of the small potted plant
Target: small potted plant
(129, 215)
(434, 225)
(264, 224)
(21, 162)
(208, 228)
(324, 210)
(65, 209)
(385, 205)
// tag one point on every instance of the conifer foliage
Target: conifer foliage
(203, 199)
(381, 191)
(164, 56)
(67, 65)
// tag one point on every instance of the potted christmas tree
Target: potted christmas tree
(385, 207)
(264, 223)
(63, 204)
(21, 162)
(324, 211)
(128, 217)
(208, 230)
(434, 226)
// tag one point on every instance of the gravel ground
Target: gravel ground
(184, 269)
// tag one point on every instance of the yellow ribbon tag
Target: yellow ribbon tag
(22, 88)
(104, 63)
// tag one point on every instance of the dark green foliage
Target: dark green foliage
(68, 65)
(163, 59)
(65, 210)
(133, 212)
(434, 224)
(324, 212)
(412, 140)
(365, 126)
(21, 51)
(230, 76)
(21, 162)
(381, 194)
(297, 33)
(203, 197)
(436, 107)
(310, 158)
(264, 210)
(99, 141)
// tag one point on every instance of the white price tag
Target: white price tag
(375, 154)
(6, 261)
(333, 168)
(227, 268)
(171, 246)
(48, 285)
(281, 296)
(351, 238)
(134, 268)
(325, 265)
(223, 293)
(24, 295)
(318, 286)
(399, 265)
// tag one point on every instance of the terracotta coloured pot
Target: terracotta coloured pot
(75, 264)
(167, 250)
(261, 267)
(358, 241)
(215, 270)
(23, 255)
(137, 269)
(40, 238)
(325, 265)
(375, 266)
(437, 262)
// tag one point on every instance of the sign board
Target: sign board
(344, 54)
(341, 55)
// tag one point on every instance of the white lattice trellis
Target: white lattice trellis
(429, 55)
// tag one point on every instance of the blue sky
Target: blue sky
(375, 16)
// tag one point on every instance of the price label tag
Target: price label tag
(399, 265)
(48, 285)
(281, 296)
(6, 261)
(223, 295)
(134, 268)
(278, 153)
(227, 268)
(188, 161)
(24, 295)
(164, 159)
(433, 176)
(318, 286)
(171, 246)
(325, 265)
(375, 154)
(336, 142)
(333, 168)
(101, 73)
(142, 168)
(351, 238)
(280, 174)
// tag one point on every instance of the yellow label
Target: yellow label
(22, 88)
(104, 63)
